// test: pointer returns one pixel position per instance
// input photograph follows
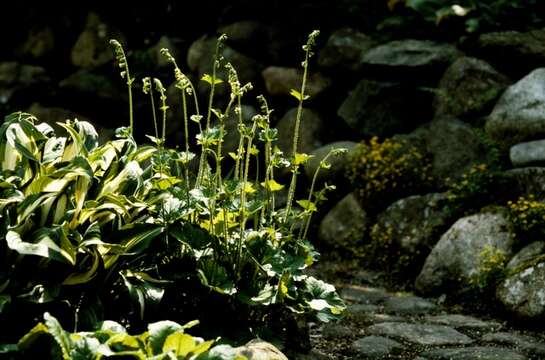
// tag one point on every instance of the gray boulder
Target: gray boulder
(154, 52)
(529, 181)
(92, 47)
(280, 80)
(245, 33)
(15, 74)
(523, 293)
(519, 114)
(384, 108)
(15, 77)
(310, 131)
(415, 223)
(93, 85)
(417, 59)
(338, 163)
(527, 253)
(52, 115)
(455, 259)
(527, 153)
(512, 52)
(39, 44)
(200, 58)
(468, 87)
(344, 51)
(344, 225)
(454, 147)
(260, 350)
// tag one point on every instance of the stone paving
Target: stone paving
(385, 325)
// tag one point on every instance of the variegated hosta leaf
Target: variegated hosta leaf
(52, 244)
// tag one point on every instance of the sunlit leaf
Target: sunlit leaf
(272, 185)
(307, 205)
(207, 78)
(296, 94)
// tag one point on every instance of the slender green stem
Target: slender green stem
(293, 182)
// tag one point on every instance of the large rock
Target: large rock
(514, 53)
(281, 80)
(454, 147)
(415, 223)
(344, 225)
(527, 253)
(344, 51)
(472, 353)
(94, 84)
(200, 58)
(384, 108)
(523, 293)
(528, 153)
(519, 114)
(310, 131)
(456, 258)
(15, 74)
(420, 60)
(468, 87)
(39, 43)
(52, 115)
(154, 52)
(245, 34)
(92, 48)
(338, 163)
(260, 350)
(529, 181)
(20, 79)
(436, 335)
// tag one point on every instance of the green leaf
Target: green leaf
(30, 337)
(8, 348)
(77, 278)
(61, 337)
(142, 292)
(159, 331)
(296, 94)
(40, 294)
(207, 78)
(53, 149)
(179, 343)
(4, 302)
(324, 299)
(272, 185)
(307, 205)
(45, 247)
(300, 159)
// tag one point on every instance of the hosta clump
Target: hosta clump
(162, 340)
(87, 225)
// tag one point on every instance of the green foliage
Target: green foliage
(478, 187)
(475, 15)
(491, 270)
(121, 219)
(162, 340)
(382, 172)
(528, 216)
